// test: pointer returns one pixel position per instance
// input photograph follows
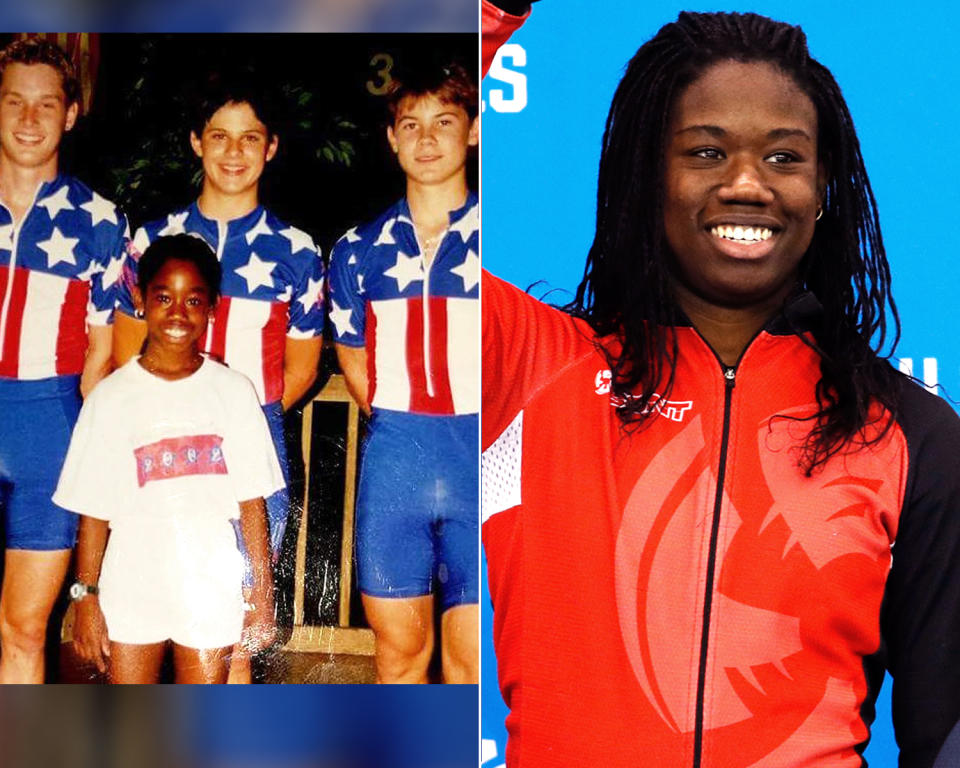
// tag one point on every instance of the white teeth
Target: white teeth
(742, 234)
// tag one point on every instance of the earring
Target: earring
(819, 213)
(138, 313)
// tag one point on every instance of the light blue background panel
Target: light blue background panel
(545, 102)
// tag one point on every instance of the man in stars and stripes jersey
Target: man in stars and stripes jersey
(405, 310)
(62, 247)
(269, 321)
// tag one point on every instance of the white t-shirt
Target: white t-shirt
(166, 463)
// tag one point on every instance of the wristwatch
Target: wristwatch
(79, 590)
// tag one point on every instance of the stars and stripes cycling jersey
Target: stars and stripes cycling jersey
(272, 288)
(59, 271)
(419, 324)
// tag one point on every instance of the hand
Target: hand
(259, 624)
(90, 640)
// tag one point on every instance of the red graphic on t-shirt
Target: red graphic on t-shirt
(179, 457)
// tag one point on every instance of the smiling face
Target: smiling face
(431, 138)
(176, 307)
(234, 147)
(33, 116)
(742, 186)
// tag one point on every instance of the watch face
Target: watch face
(77, 591)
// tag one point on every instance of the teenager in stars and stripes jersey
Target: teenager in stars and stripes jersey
(62, 247)
(405, 313)
(269, 322)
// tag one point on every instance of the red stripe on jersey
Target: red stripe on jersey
(442, 400)
(414, 343)
(10, 362)
(273, 345)
(72, 338)
(216, 343)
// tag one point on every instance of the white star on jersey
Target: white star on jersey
(353, 259)
(260, 228)
(299, 240)
(141, 240)
(341, 318)
(6, 237)
(360, 288)
(100, 209)
(175, 224)
(312, 295)
(352, 236)
(256, 272)
(56, 202)
(408, 269)
(466, 225)
(468, 271)
(59, 248)
(112, 273)
(386, 233)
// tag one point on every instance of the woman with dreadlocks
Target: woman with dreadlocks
(695, 475)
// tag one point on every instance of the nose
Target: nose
(745, 183)
(427, 134)
(178, 309)
(29, 114)
(233, 147)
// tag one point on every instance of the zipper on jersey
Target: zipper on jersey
(11, 267)
(730, 381)
(427, 364)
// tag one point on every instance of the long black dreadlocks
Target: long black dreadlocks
(626, 288)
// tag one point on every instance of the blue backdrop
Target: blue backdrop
(545, 102)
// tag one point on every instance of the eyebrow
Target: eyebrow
(718, 132)
(447, 113)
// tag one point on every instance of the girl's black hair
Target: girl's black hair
(185, 248)
(626, 289)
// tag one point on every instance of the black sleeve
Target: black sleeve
(921, 614)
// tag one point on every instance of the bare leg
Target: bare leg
(460, 630)
(201, 665)
(135, 664)
(404, 631)
(31, 583)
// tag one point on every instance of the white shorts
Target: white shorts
(168, 582)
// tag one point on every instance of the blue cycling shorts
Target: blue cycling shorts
(36, 420)
(417, 508)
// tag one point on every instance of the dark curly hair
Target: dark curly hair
(626, 289)
(183, 248)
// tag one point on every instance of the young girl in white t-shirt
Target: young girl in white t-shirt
(168, 450)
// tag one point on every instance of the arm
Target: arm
(300, 360)
(97, 363)
(90, 639)
(259, 626)
(353, 363)
(920, 618)
(128, 336)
